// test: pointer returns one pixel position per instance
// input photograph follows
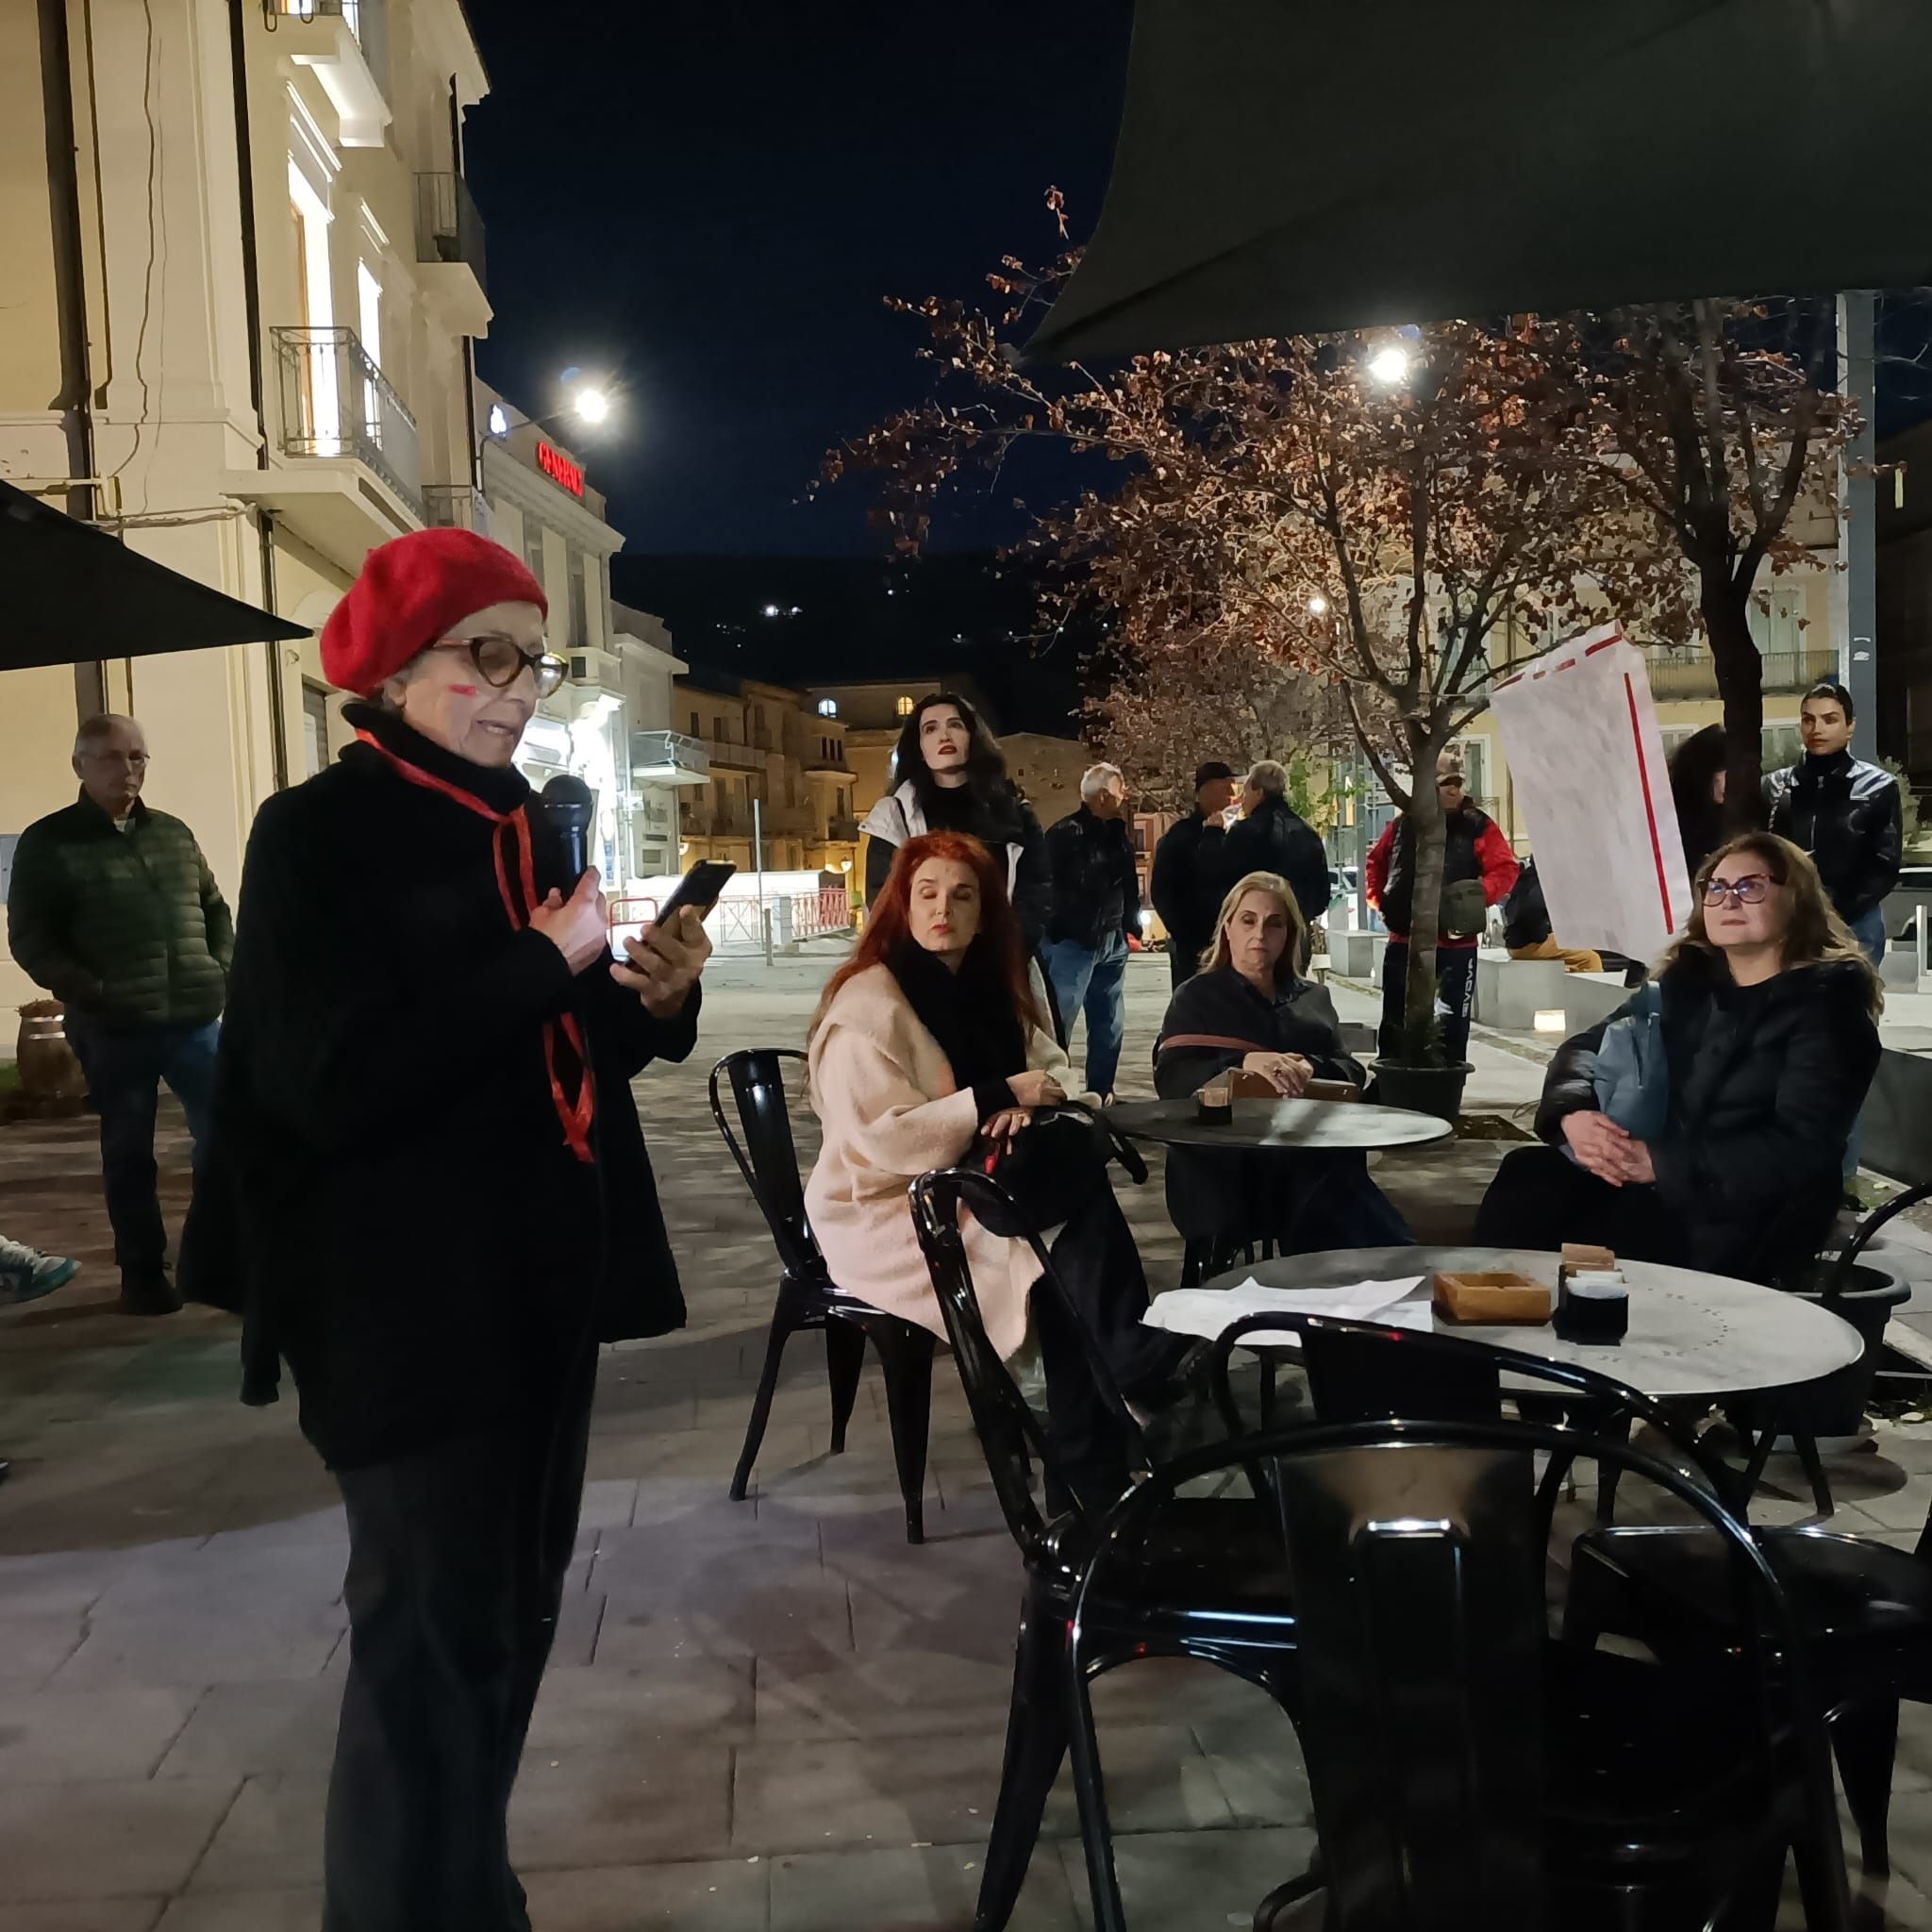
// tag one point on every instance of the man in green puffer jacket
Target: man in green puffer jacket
(113, 910)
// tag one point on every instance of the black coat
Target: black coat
(1001, 820)
(1525, 912)
(1220, 1194)
(1847, 815)
(1275, 838)
(1186, 884)
(1765, 1086)
(1097, 890)
(388, 1197)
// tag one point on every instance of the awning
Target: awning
(1294, 166)
(71, 592)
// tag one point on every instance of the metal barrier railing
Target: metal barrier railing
(736, 922)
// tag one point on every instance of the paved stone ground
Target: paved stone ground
(764, 1715)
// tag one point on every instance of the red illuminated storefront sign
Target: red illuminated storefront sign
(559, 469)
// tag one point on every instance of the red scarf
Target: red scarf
(569, 1065)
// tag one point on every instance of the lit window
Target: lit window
(904, 707)
(828, 707)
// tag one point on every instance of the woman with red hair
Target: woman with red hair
(928, 1037)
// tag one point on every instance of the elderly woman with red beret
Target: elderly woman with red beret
(428, 1195)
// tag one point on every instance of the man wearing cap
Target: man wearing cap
(427, 1193)
(1187, 872)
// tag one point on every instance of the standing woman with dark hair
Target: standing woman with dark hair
(949, 776)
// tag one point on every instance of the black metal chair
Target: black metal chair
(768, 1160)
(1197, 1555)
(1466, 1770)
(1865, 1610)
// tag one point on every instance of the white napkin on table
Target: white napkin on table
(1207, 1311)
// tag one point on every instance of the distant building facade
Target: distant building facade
(772, 747)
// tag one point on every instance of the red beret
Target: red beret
(410, 590)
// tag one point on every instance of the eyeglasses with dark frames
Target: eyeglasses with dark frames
(501, 660)
(1750, 889)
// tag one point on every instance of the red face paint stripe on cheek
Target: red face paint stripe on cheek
(464, 690)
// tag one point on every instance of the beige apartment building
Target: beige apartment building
(778, 748)
(238, 330)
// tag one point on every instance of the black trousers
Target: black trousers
(1454, 996)
(1183, 959)
(1541, 1198)
(457, 1562)
(1099, 1266)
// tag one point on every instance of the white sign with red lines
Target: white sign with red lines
(1580, 733)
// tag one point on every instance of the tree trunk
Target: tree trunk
(1431, 839)
(1725, 608)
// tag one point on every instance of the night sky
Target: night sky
(706, 205)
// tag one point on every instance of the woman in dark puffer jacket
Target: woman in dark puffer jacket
(1771, 1039)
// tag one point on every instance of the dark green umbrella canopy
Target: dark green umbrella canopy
(71, 592)
(1287, 167)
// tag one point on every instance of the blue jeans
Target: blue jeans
(1869, 933)
(1091, 979)
(124, 1067)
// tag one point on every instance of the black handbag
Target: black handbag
(1048, 1167)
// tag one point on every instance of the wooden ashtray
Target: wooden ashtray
(1492, 1299)
(1586, 1256)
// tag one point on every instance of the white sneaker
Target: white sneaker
(27, 1274)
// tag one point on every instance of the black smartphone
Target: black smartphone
(699, 888)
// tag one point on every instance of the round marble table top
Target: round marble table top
(1690, 1333)
(1326, 1125)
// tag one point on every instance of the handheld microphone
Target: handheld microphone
(560, 833)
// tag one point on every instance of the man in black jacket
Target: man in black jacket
(1186, 884)
(1096, 904)
(1844, 813)
(1271, 836)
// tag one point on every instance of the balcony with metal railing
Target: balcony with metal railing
(450, 251)
(345, 43)
(336, 403)
(1782, 672)
(350, 475)
(668, 757)
(456, 507)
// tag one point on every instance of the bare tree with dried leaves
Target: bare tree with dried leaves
(1278, 520)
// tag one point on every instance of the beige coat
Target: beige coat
(884, 1095)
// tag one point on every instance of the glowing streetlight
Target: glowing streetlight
(1318, 606)
(592, 404)
(1389, 364)
(499, 420)
(772, 610)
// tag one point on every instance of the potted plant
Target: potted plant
(1420, 1076)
